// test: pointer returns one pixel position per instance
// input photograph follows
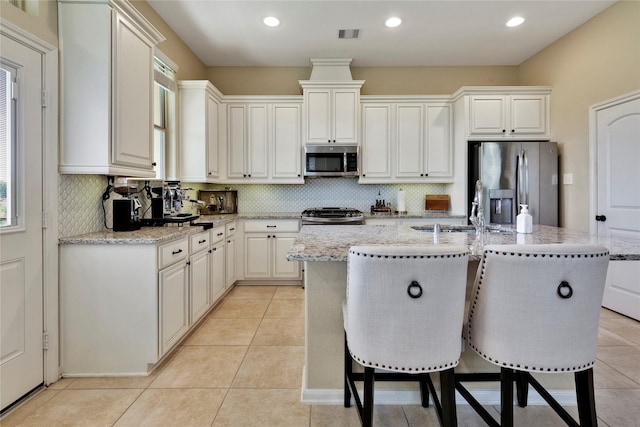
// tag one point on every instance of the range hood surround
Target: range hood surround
(331, 69)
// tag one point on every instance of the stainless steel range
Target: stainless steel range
(332, 216)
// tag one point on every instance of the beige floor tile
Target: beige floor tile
(252, 292)
(28, 407)
(201, 367)
(540, 415)
(224, 332)
(467, 417)
(289, 292)
(264, 408)
(625, 327)
(389, 415)
(271, 367)
(605, 376)
(624, 359)
(334, 416)
(280, 332)
(62, 383)
(607, 338)
(174, 407)
(93, 408)
(285, 309)
(111, 382)
(618, 408)
(241, 309)
(609, 314)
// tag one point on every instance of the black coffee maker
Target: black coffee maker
(125, 215)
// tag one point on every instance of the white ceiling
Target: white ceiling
(433, 33)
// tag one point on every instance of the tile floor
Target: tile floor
(243, 367)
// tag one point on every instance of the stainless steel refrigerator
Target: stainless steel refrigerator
(515, 173)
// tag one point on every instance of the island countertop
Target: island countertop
(332, 242)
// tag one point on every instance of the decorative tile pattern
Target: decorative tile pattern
(80, 204)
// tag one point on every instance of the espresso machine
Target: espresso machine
(218, 201)
(167, 204)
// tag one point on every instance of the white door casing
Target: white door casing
(21, 245)
(615, 149)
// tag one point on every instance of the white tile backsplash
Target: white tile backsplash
(81, 209)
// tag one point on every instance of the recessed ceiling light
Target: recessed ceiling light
(271, 21)
(393, 22)
(515, 21)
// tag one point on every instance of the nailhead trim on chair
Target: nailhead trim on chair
(475, 299)
(408, 256)
(416, 370)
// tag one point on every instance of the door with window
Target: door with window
(21, 266)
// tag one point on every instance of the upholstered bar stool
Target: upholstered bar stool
(535, 308)
(403, 317)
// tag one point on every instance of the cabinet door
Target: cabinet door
(256, 141)
(376, 141)
(528, 114)
(345, 115)
(236, 141)
(132, 101)
(173, 292)
(230, 270)
(216, 272)
(439, 141)
(409, 141)
(487, 115)
(199, 283)
(213, 169)
(286, 138)
(257, 256)
(283, 269)
(318, 120)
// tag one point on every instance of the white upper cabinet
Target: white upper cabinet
(406, 139)
(106, 96)
(199, 144)
(509, 114)
(263, 140)
(331, 111)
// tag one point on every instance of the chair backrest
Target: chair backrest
(537, 307)
(405, 306)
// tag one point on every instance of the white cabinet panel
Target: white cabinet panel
(173, 292)
(376, 141)
(217, 271)
(409, 141)
(199, 285)
(286, 142)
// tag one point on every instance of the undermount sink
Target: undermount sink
(463, 229)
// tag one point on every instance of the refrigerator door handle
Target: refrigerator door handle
(522, 179)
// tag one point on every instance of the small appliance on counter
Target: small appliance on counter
(167, 204)
(126, 215)
(218, 202)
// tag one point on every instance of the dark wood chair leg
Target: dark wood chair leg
(506, 397)
(448, 398)
(348, 369)
(424, 390)
(586, 398)
(367, 409)
(522, 388)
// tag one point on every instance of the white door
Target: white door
(21, 282)
(618, 201)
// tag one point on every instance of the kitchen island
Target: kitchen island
(324, 250)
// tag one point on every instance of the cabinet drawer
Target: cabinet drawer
(199, 242)
(217, 234)
(271, 226)
(172, 252)
(231, 228)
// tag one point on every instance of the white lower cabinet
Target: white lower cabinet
(173, 304)
(230, 259)
(199, 276)
(266, 243)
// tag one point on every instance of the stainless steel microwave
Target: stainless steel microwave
(331, 160)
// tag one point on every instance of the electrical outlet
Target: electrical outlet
(567, 179)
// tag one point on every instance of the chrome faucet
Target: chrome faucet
(477, 209)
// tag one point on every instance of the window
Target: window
(8, 214)
(163, 118)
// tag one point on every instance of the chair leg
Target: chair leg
(448, 398)
(522, 389)
(348, 370)
(367, 409)
(424, 390)
(586, 398)
(506, 397)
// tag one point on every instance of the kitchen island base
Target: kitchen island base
(322, 383)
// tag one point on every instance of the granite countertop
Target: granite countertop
(146, 235)
(332, 242)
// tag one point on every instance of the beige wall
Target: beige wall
(378, 80)
(41, 21)
(598, 61)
